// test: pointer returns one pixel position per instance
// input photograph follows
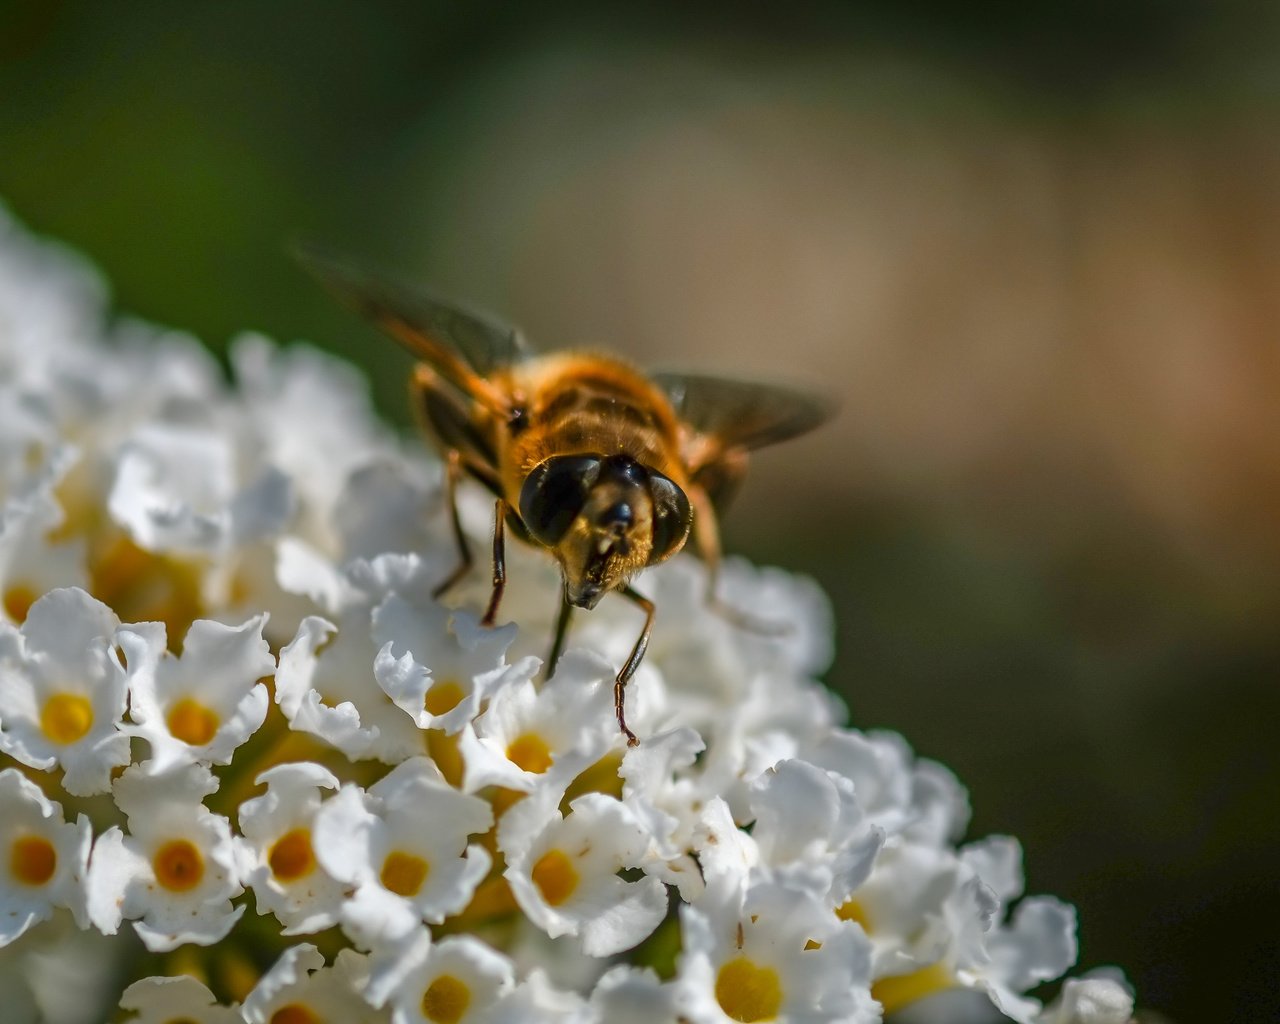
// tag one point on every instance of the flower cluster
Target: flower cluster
(251, 771)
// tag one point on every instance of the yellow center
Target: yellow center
(294, 1013)
(66, 717)
(144, 587)
(291, 856)
(404, 873)
(446, 1000)
(178, 865)
(17, 600)
(555, 876)
(530, 753)
(747, 992)
(601, 777)
(852, 910)
(33, 860)
(896, 992)
(192, 722)
(443, 697)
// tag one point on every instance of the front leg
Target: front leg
(499, 562)
(561, 634)
(452, 474)
(633, 661)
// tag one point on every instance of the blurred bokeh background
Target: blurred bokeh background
(1034, 248)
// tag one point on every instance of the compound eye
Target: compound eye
(672, 517)
(554, 494)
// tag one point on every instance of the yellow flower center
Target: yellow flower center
(192, 722)
(446, 1000)
(66, 717)
(291, 856)
(178, 865)
(17, 600)
(33, 860)
(443, 697)
(555, 876)
(601, 777)
(295, 1013)
(404, 873)
(903, 989)
(852, 910)
(144, 587)
(530, 753)
(748, 992)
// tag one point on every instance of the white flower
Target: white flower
(450, 664)
(197, 708)
(811, 831)
(531, 738)
(668, 801)
(31, 563)
(536, 1001)
(278, 859)
(626, 995)
(457, 980)
(62, 691)
(1090, 1000)
(174, 875)
(177, 488)
(771, 953)
(325, 686)
(162, 1000)
(45, 858)
(403, 847)
(563, 872)
(299, 987)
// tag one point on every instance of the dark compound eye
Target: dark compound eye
(672, 516)
(554, 493)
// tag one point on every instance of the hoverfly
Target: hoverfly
(606, 467)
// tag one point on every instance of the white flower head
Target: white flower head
(563, 872)
(536, 1000)
(299, 987)
(62, 691)
(534, 738)
(449, 664)
(278, 859)
(178, 488)
(325, 686)
(161, 1000)
(1098, 998)
(403, 846)
(45, 858)
(810, 829)
(457, 980)
(174, 874)
(768, 952)
(198, 708)
(628, 995)
(31, 563)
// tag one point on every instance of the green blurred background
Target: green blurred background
(1033, 247)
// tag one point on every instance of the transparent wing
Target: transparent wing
(743, 414)
(434, 330)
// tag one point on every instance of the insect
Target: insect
(608, 468)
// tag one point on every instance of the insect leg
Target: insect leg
(562, 633)
(633, 661)
(452, 473)
(499, 562)
(706, 530)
